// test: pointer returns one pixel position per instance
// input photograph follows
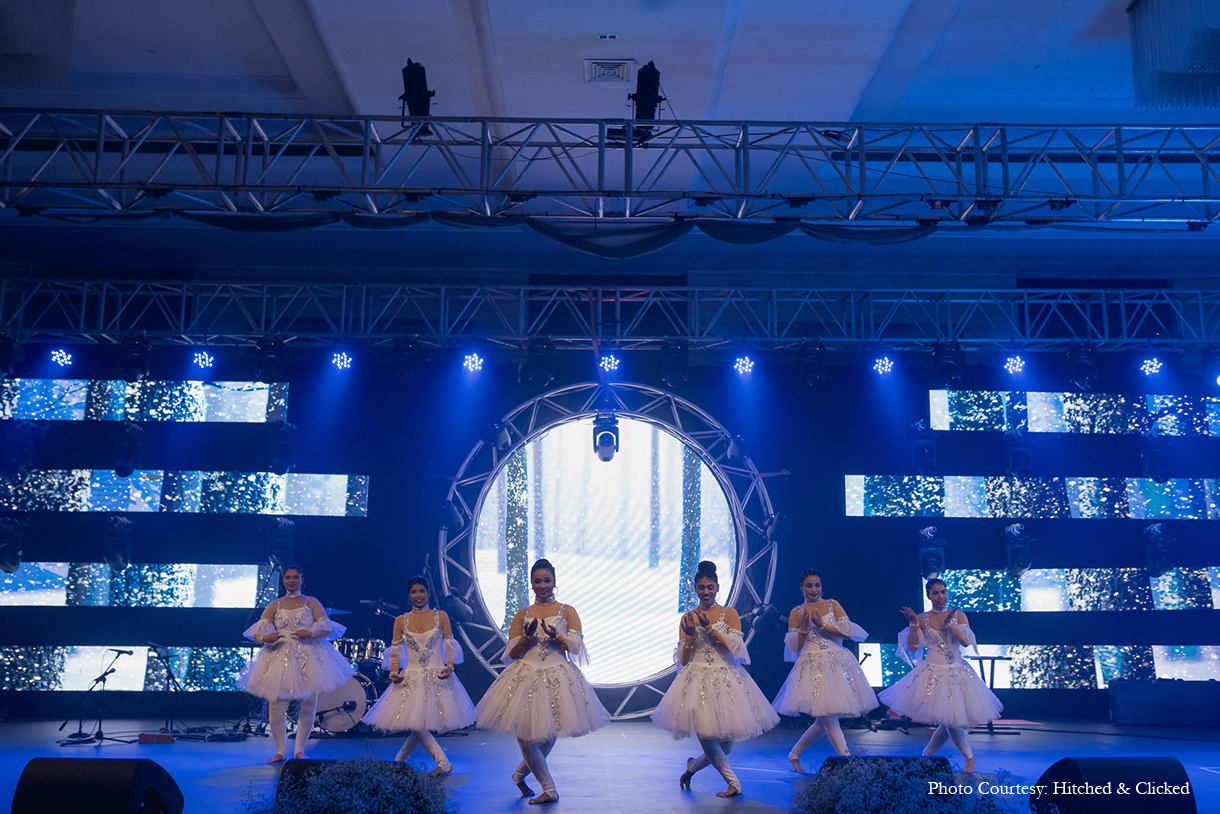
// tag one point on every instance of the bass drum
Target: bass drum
(341, 709)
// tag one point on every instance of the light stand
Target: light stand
(99, 737)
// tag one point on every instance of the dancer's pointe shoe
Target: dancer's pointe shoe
(684, 780)
(796, 763)
(276, 758)
(519, 779)
(544, 798)
(970, 765)
(734, 790)
(441, 770)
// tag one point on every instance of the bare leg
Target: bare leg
(305, 716)
(963, 746)
(277, 713)
(810, 737)
(408, 747)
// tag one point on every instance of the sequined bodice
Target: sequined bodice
(424, 648)
(286, 621)
(542, 649)
(942, 648)
(706, 649)
(817, 639)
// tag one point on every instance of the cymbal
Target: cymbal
(337, 612)
(380, 605)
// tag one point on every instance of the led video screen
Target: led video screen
(145, 585)
(116, 400)
(625, 537)
(1113, 414)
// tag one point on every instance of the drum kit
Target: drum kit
(341, 709)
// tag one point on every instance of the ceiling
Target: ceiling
(1041, 61)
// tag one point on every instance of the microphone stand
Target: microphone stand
(161, 653)
(98, 736)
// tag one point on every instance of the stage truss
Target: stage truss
(131, 163)
(743, 486)
(508, 317)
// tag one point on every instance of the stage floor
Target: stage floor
(621, 769)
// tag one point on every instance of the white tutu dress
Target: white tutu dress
(292, 668)
(943, 688)
(713, 697)
(543, 695)
(422, 701)
(826, 678)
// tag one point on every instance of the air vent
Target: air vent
(609, 70)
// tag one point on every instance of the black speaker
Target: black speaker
(1115, 785)
(96, 785)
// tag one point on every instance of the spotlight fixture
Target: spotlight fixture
(1154, 453)
(61, 357)
(923, 448)
(605, 436)
(813, 363)
(270, 364)
(777, 527)
(1082, 363)
(342, 360)
(736, 450)
(883, 365)
(608, 362)
(949, 363)
(1018, 554)
(1020, 452)
(674, 363)
(203, 360)
(540, 361)
(647, 92)
(1014, 364)
(1151, 366)
(452, 518)
(743, 365)
(416, 98)
(472, 362)
(456, 608)
(499, 437)
(137, 359)
(931, 553)
(128, 449)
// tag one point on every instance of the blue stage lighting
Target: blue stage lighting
(1014, 364)
(743, 365)
(608, 363)
(883, 365)
(341, 360)
(1151, 366)
(203, 359)
(472, 362)
(61, 357)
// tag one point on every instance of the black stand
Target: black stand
(992, 729)
(80, 737)
(161, 653)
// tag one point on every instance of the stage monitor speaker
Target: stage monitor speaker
(96, 785)
(1115, 785)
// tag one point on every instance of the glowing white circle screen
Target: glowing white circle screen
(625, 537)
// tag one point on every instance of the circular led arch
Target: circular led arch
(748, 501)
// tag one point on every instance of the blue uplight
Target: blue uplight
(1014, 365)
(883, 365)
(743, 365)
(1151, 366)
(608, 363)
(341, 360)
(203, 359)
(472, 362)
(61, 357)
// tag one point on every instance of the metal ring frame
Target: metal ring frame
(743, 486)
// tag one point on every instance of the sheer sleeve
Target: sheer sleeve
(573, 638)
(264, 625)
(967, 635)
(682, 640)
(393, 655)
(323, 627)
(793, 637)
(515, 631)
(904, 652)
(845, 626)
(735, 642)
(453, 650)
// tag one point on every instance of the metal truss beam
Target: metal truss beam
(510, 316)
(98, 161)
